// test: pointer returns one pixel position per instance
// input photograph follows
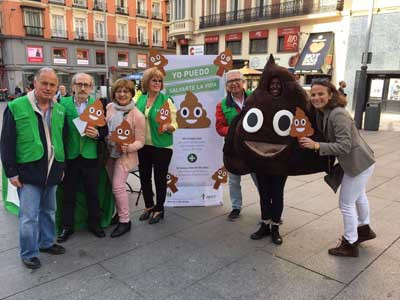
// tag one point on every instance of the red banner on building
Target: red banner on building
(230, 37)
(290, 38)
(259, 34)
(35, 54)
(288, 30)
(211, 39)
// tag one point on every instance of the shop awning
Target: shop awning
(317, 55)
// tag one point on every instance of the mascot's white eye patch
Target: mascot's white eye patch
(282, 122)
(253, 120)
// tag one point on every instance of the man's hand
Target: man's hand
(15, 182)
(92, 132)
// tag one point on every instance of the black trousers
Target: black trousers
(86, 171)
(271, 189)
(150, 158)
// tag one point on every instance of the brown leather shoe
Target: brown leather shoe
(345, 249)
(365, 233)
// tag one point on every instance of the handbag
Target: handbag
(334, 176)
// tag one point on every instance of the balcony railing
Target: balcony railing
(143, 42)
(157, 44)
(121, 10)
(141, 13)
(80, 35)
(58, 33)
(171, 44)
(60, 2)
(122, 39)
(79, 3)
(156, 15)
(99, 5)
(270, 12)
(34, 31)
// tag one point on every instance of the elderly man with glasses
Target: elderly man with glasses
(226, 111)
(82, 162)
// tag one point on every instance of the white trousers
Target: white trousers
(353, 203)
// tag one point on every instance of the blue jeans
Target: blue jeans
(36, 218)
(235, 190)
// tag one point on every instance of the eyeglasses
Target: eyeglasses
(83, 84)
(232, 81)
(156, 81)
(122, 92)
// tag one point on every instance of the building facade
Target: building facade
(70, 36)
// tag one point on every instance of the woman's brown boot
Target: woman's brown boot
(365, 233)
(345, 249)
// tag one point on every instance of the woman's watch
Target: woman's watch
(316, 147)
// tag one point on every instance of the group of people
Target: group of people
(42, 148)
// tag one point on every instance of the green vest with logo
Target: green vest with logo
(76, 144)
(159, 140)
(29, 146)
(230, 112)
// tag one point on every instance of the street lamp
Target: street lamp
(106, 48)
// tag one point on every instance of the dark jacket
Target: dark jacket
(33, 172)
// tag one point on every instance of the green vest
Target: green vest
(29, 146)
(230, 112)
(159, 140)
(76, 144)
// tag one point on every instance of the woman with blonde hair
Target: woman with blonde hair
(157, 151)
(355, 157)
(123, 157)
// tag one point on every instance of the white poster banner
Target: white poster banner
(196, 170)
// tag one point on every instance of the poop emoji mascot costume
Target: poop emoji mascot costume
(94, 114)
(191, 113)
(224, 62)
(171, 182)
(122, 134)
(157, 60)
(163, 116)
(259, 138)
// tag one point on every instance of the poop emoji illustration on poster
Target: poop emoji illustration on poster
(191, 113)
(171, 182)
(122, 134)
(163, 116)
(224, 62)
(220, 176)
(301, 125)
(94, 115)
(156, 59)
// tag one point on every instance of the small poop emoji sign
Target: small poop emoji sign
(224, 62)
(220, 176)
(94, 114)
(123, 134)
(163, 116)
(156, 59)
(191, 113)
(301, 126)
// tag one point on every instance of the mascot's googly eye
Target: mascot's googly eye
(303, 122)
(98, 113)
(119, 131)
(152, 59)
(184, 112)
(91, 110)
(282, 121)
(253, 120)
(127, 132)
(197, 112)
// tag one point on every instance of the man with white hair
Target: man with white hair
(226, 111)
(32, 153)
(81, 159)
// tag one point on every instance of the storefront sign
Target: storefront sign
(259, 34)
(82, 56)
(211, 39)
(230, 37)
(290, 38)
(142, 61)
(123, 59)
(60, 56)
(35, 54)
(196, 50)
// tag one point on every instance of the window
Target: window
(100, 58)
(80, 3)
(156, 11)
(259, 46)
(288, 39)
(33, 21)
(58, 27)
(141, 35)
(80, 29)
(156, 37)
(235, 47)
(179, 9)
(122, 60)
(141, 8)
(82, 56)
(99, 30)
(212, 7)
(59, 55)
(121, 6)
(212, 48)
(234, 5)
(122, 33)
(184, 49)
(99, 4)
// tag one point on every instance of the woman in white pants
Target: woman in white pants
(354, 156)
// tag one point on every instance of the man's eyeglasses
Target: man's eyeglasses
(83, 84)
(156, 81)
(232, 81)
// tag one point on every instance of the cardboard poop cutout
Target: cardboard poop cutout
(259, 138)
(156, 59)
(191, 113)
(301, 126)
(122, 134)
(224, 62)
(94, 115)
(163, 116)
(220, 176)
(171, 182)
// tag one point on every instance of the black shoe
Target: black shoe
(115, 220)
(234, 214)
(64, 235)
(121, 229)
(145, 215)
(55, 250)
(155, 219)
(264, 231)
(32, 263)
(275, 236)
(97, 231)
